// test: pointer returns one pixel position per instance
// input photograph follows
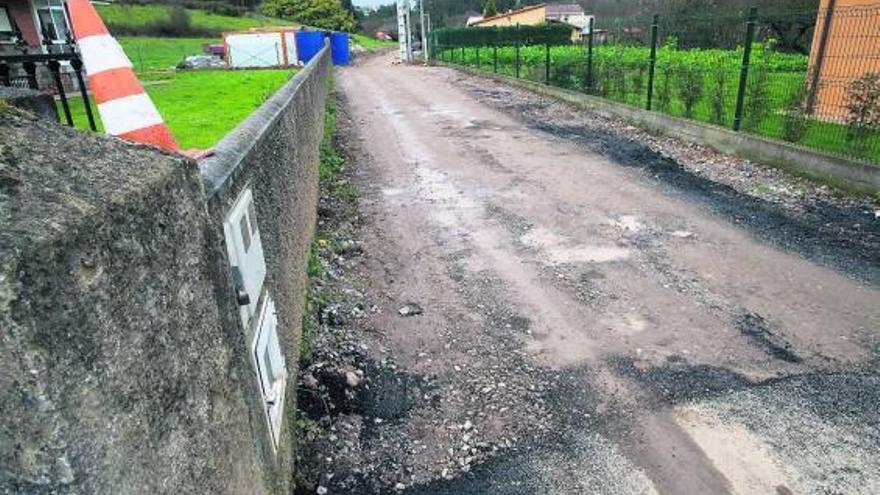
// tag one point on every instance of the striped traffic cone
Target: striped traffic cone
(125, 109)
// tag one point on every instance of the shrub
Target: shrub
(567, 74)
(717, 94)
(794, 121)
(638, 80)
(690, 87)
(601, 78)
(757, 93)
(614, 75)
(863, 104)
(664, 89)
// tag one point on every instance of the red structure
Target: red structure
(27, 26)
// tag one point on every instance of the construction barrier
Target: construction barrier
(125, 108)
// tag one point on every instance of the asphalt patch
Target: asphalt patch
(758, 330)
(820, 233)
(677, 381)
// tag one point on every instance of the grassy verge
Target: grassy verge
(200, 107)
(334, 188)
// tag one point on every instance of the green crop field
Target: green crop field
(200, 107)
(139, 15)
(700, 84)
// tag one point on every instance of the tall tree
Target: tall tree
(489, 8)
(324, 14)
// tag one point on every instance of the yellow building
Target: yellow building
(533, 14)
(571, 14)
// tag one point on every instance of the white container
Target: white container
(264, 48)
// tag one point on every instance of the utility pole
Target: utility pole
(409, 55)
(430, 31)
(403, 30)
(424, 31)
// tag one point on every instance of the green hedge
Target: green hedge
(543, 34)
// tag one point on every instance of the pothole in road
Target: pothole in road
(384, 393)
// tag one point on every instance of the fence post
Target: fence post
(77, 69)
(478, 57)
(744, 69)
(590, 58)
(652, 63)
(547, 64)
(30, 69)
(516, 62)
(4, 74)
(495, 59)
(462, 55)
(55, 69)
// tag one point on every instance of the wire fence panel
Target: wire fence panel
(809, 77)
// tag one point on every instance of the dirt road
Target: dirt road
(591, 324)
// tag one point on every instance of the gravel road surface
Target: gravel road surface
(587, 308)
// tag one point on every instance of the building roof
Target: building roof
(556, 9)
(509, 13)
(474, 19)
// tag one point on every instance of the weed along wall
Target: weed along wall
(143, 350)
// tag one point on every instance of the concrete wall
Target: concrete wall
(38, 103)
(267, 153)
(123, 364)
(848, 174)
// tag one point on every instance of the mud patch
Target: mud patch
(758, 330)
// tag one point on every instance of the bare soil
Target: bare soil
(603, 311)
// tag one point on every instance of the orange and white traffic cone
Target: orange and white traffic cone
(125, 109)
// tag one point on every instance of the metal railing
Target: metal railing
(48, 72)
(808, 77)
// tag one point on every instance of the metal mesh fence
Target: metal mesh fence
(810, 78)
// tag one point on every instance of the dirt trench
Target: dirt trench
(597, 316)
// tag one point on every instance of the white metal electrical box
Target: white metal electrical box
(271, 368)
(245, 253)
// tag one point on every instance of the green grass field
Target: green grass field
(138, 15)
(200, 107)
(620, 73)
(149, 54)
(371, 44)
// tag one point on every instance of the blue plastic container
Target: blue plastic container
(308, 44)
(339, 48)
